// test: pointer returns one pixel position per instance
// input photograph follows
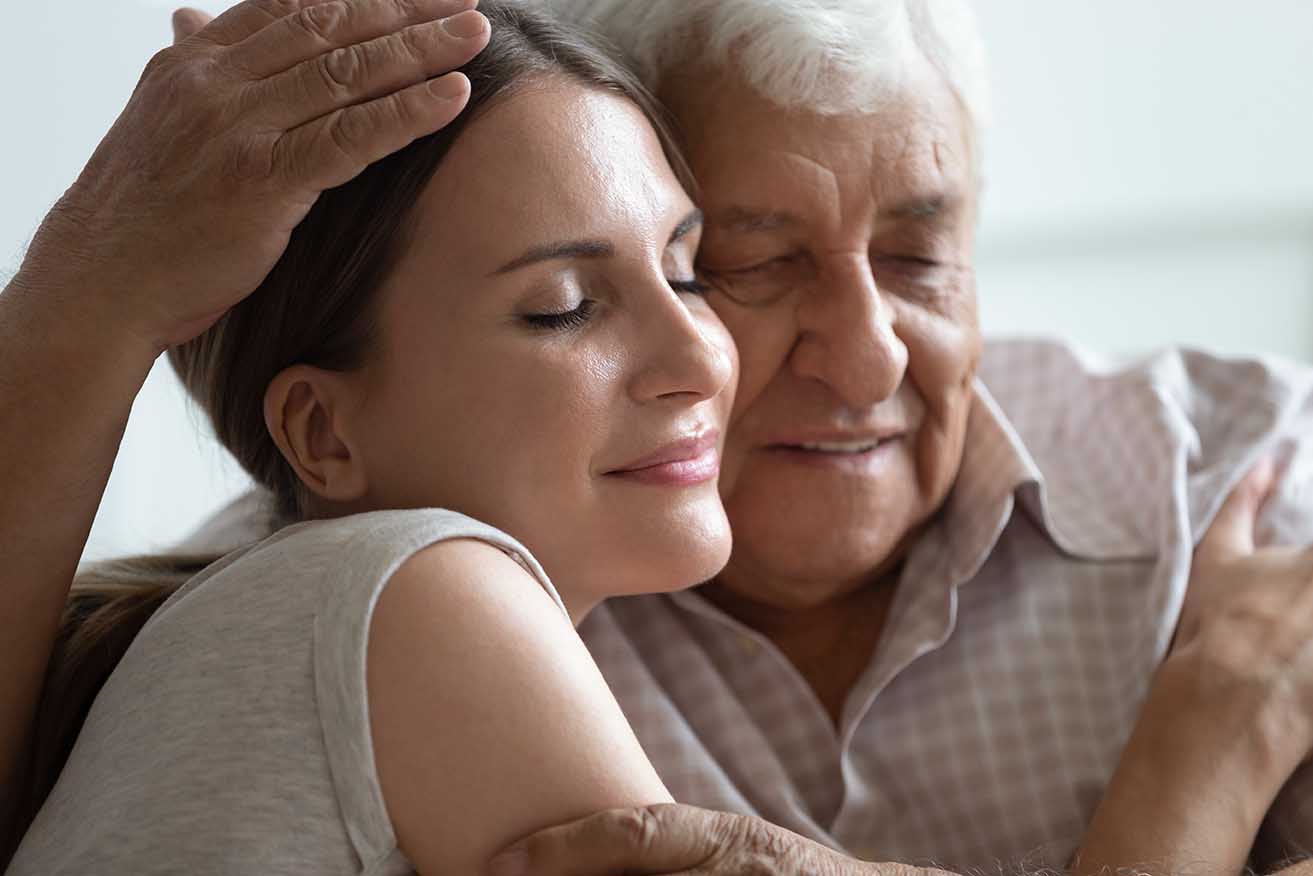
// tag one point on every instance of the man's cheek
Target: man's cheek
(764, 341)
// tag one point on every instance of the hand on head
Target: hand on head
(227, 141)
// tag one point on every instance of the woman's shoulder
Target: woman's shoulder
(323, 560)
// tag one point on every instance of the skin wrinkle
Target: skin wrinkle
(859, 313)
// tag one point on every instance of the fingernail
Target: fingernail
(465, 25)
(512, 862)
(447, 87)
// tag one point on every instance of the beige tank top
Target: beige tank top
(234, 737)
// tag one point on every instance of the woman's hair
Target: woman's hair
(317, 307)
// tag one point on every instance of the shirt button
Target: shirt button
(748, 646)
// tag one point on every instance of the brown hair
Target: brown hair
(315, 307)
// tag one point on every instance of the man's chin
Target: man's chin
(806, 567)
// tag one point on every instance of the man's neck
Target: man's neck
(830, 645)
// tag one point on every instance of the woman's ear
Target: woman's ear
(305, 411)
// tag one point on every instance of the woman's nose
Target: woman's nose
(687, 353)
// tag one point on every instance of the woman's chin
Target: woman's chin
(686, 557)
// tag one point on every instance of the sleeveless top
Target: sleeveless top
(234, 736)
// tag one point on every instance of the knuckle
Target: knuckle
(322, 21)
(764, 840)
(277, 9)
(342, 69)
(180, 71)
(247, 159)
(162, 63)
(639, 828)
(344, 133)
(411, 43)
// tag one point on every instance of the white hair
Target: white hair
(831, 56)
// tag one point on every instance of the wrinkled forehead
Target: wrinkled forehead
(912, 148)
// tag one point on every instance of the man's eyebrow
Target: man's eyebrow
(564, 249)
(923, 206)
(747, 220)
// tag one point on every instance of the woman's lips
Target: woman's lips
(681, 463)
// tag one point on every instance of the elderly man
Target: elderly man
(957, 566)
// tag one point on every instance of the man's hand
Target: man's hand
(671, 838)
(227, 141)
(1229, 715)
(1246, 630)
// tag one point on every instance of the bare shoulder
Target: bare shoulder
(489, 717)
(465, 575)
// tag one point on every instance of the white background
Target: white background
(1149, 181)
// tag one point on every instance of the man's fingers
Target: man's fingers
(1232, 532)
(319, 29)
(653, 839)
(252, 16)
(369, 70)
(187, 22)
(335, 148)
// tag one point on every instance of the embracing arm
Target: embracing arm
(66, 387)
(185, 206)
(1229, 716)
(489, 718)
(490, 721)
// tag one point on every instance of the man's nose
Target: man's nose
(846, 335)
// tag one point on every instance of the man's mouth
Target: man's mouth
(835, 446)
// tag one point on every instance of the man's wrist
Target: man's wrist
(1191, 789)
(1205, 735)
(71, 317)
(1241, 720)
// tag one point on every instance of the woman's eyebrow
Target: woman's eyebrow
(587, 249)
(565, 249)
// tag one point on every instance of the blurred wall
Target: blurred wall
(1149, 181)
(1149, 174)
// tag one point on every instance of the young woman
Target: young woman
(486, 391)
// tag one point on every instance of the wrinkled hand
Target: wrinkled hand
(1246, 629)
(227, 141)
(673, 838)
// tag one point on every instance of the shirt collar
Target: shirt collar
(995, 465)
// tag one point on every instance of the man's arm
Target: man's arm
(1229, 716)
(684, 840)
(66, 387)
(182, 210)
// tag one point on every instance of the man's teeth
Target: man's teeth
(841, 446)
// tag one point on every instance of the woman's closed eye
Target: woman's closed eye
(579, 316)
(563, 320)
(691, 287)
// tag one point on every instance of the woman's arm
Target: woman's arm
(489, 718)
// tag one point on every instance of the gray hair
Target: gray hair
(830, 56)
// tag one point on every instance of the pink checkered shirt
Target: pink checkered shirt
(1026, 625)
